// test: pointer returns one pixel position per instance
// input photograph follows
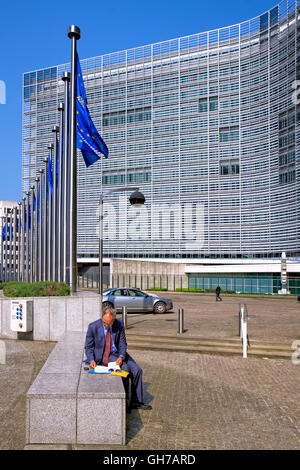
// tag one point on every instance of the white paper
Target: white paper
(104, 369)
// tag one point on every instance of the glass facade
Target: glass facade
(253, 283)
(205, 125)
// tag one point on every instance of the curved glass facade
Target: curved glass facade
(206, 125)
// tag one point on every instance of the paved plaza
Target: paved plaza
(199, 401)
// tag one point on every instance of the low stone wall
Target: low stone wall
(53, 316)
(67, 405)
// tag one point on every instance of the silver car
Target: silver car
(135, 300)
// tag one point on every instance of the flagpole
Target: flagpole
(23, 238)
(50, 254)
(41, 226)
(31, 233)
(55, 130)
(60, 176)
(19, 241)
(36, 232)
(15, 215)
(2, 248)
(66, 168)
(27, 237)
(74, 35)
(45, 260)
(5, 262)
(10, 246)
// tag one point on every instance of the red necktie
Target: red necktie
(107, 348)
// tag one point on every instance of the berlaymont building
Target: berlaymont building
(208, 127)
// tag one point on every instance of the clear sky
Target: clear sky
(33, 34)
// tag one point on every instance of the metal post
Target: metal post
(74, 35)
(101, 247)
(180, 320)
(19, 241)
(23, 240)
(59, 201)
(49, 236)
(245, 336)
(124, 317)
(36, 233)
(5, 262)
(2, 249)
(32, 229)
(41, 226)
(45, 228)
(27, 237)
(15, 218)
(55, 130)
(10, 245)
(66, 179)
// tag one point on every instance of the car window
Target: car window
(118, 293)
(136, 293)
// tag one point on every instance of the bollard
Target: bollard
(245, 337)
(124, 316)
(180, 321)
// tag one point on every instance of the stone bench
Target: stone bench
(67, 405)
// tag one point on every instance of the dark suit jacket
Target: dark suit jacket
(95, 340)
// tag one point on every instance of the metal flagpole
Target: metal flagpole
(10, 246)
(41, 226)
(27, 237)
(59, 199)
(45, 244)
(36, 232)
(15, 218)
(49, 248)
(19, 241)
(5, 258)
(66, 179)
(55, 130)
(2, 249)
(32, 229)
(5, 262)
(23, 238)
(101, 248)
(74, 35)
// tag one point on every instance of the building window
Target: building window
(287, 177)
(229, 167)
(229, 134)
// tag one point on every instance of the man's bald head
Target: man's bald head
(108, 317)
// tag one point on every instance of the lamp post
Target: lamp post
(137, 199)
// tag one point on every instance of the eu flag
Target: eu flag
(6, 233)
(89, 140)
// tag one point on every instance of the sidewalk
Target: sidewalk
(200, 401)
(271, 318)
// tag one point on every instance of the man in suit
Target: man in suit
(106, 342)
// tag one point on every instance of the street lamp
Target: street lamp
(137, 199)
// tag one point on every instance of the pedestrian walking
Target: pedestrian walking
(218, 290)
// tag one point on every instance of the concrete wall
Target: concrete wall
(53, 316)
(148, 274)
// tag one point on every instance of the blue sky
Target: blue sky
(33, 34)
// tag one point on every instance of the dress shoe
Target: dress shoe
(141, 406)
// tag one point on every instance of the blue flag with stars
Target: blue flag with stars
(89, 140)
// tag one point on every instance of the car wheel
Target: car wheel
(107, 305)
(160, 307)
